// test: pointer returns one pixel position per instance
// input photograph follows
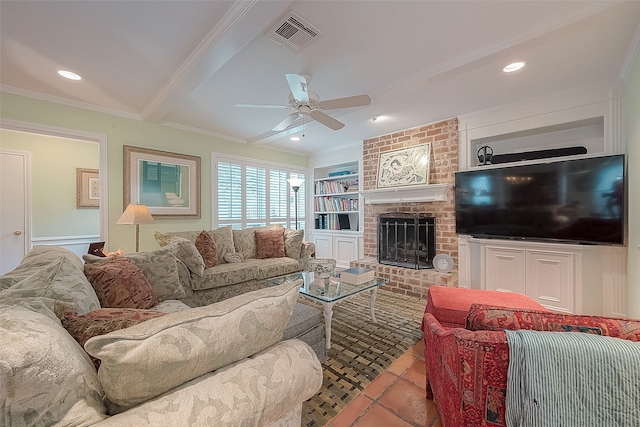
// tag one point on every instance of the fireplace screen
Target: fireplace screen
(406, 240)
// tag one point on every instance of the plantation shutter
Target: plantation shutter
(251, 194)
(256, 196)
(229, 192)
(278, 190)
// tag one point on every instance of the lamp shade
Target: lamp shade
(295, 182)
(136, 214)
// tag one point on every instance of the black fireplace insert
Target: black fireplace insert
(406, 240)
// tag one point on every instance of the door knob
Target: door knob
(17, 232)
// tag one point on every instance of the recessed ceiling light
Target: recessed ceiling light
(295, 138)
(514, 66)
(69, 75)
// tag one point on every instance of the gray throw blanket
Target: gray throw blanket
(567, 379)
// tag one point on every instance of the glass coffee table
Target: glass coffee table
(329, 291)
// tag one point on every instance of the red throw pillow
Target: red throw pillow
(103, 321)
(119, 283)
(270, 243)
(207, 248)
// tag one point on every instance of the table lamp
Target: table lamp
(136, 214)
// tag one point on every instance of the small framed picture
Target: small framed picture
(87, 188)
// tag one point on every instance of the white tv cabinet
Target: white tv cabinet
(564, 277)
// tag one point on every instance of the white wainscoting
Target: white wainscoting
(76, 244)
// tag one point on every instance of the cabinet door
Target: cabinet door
(551, 279)
(345, 250)
(324, 246)
(504, 269)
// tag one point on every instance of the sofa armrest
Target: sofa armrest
(486, 317)
(286, 374)
(308, 251)
(467, 373)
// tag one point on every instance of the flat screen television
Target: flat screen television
(569, 201)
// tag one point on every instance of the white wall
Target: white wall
(632, 126)
(53, 183)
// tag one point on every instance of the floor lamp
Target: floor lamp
(295, 184)
(136, 214)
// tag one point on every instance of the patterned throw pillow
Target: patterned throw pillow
(233, 257)
(270, 243)
(293, 242)
(187, 252)
(46, 378)
(207, 248)
(130, 358)
(119, 282)
(103, 321)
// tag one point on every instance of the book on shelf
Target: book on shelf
(339, 173)
(356, 275)
(343, 222)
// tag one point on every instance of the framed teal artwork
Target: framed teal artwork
(167, 183)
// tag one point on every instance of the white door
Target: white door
(324, 247)
(345, 250)
(14, 229)
(504, 269)
(551, 279)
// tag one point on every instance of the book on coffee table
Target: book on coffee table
(356, 275)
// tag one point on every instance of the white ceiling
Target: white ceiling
(186, 63)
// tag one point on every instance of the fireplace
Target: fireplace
(406, 240)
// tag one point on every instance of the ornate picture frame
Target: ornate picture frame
(87, 188)
(167, 183)
(405, 166)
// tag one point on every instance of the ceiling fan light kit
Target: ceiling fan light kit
(307, 104)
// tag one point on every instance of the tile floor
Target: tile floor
(395, 399)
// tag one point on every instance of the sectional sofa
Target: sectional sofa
(66, 359)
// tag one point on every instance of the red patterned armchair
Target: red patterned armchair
(467, 368)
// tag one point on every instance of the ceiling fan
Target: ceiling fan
(307, 104)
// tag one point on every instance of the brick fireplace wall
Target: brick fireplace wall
(443, 137)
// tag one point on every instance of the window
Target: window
(252, 193)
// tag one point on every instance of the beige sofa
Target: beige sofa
(227, 279)
(222, 364)
(179, 272)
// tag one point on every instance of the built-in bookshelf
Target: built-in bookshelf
(336, 200)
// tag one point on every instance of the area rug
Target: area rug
(361, 350)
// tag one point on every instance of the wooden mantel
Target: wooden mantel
(413, 193)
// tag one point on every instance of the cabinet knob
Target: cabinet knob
(17, 232)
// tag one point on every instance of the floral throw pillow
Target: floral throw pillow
(187, 252)
(207, 248)
(102, 321)
(119, 283)
(270, 243)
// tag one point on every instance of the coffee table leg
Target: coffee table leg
(372, 304)
(328, 314)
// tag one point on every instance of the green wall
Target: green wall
(632, 127)
(53, 182)
(123, 131)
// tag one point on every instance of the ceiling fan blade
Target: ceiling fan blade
(279, 107)
(349, 101)
(298, 85)
(326, 120)
(285, 123)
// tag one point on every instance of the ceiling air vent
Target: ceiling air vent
(292, 32)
